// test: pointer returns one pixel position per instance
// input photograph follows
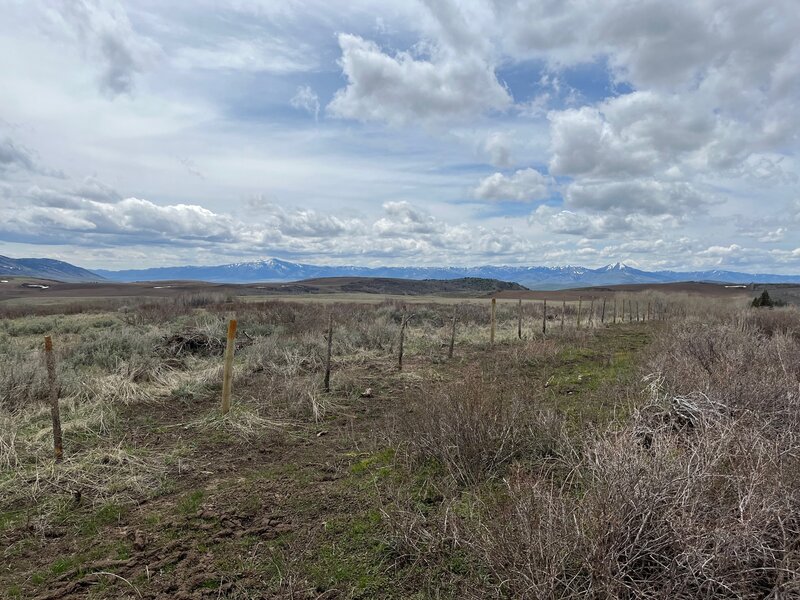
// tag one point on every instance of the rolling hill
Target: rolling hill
(45, 268)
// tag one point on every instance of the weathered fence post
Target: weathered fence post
(491, 332)
(452, 335)
(563, 312)
(579, 312)
(328, 354)
(615, 310)
(403, 324)
(603, 313)
(637, 311)
(591, 312)
(227, 372)
(648, 310)
(519, 320)
(58, 446)
(544, 318)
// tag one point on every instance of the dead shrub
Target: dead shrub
(476, 428)
(709, 511)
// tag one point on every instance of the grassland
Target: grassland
(650, 458)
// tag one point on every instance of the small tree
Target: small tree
(763, 300)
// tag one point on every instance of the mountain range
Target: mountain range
(277, 270)
(533, 277)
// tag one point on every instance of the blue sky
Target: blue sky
(430, 132)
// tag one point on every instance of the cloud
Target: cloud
(306, 99)
(403, 89)
(587, 224)
(267, 54)
(498, 147)
(301, 223)
(648, 121)
(14, 157)
(645, 197)
(19, 160)
(525, 185)
(641, 133)
(108, 39)
(403, 219)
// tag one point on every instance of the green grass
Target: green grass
(580, 379)
(352, 554)
(105, 515)
(191, 502)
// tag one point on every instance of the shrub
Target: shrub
(476, 428)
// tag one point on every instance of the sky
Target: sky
(402, 132)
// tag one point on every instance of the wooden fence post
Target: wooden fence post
(603, 313)
(328, 355)
(58, 445)
(452, 335)
(615, 310)
(403, 324)
(648, 311)
(491, 332)
(563, 311)
(637, 311)
(519, 320)
(544, 318)
(227, 372)
(579, 312)
(591, 312)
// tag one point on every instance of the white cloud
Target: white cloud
(14, 157)
(306, 99)
(267, 54)
(525, 185)
(498, 147)
(645, 197)
(592, 225)
(108, 39)
(403, 89)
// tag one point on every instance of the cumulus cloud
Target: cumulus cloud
(525, 185)
(645, 197)
(631, 135)
(402, 230)
(498, 147)
(402, 88)
(404, 219)
(590, 225)
(57, 218)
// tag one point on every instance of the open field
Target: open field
(26, 291)
(605, 458)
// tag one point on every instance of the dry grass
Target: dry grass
(696, 495)
(693, 493)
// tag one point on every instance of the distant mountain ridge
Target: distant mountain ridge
(45, 268)
(533, 277)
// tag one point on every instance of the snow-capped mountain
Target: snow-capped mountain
(274, 269)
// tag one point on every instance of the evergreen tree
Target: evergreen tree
(763, 300)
